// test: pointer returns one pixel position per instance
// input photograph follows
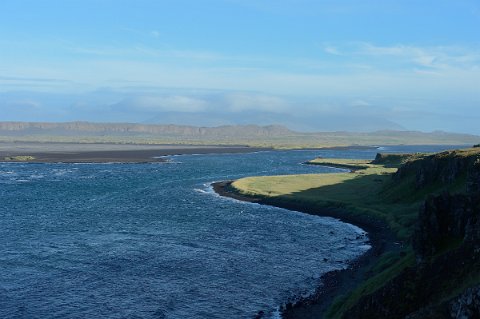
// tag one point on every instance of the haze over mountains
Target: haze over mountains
(199, 108)
(309, 65)
(254, 135)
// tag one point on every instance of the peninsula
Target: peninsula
(48, 152)
(422, 215)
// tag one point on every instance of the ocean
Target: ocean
(154, 240)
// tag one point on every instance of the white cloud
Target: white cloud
(174, 103)
(426, 72)
(365, 70)
(437, 57)
(360, 103)
(238, 102)
(425, 60)
(139, 52)
(24, 104)
(331, 50)
(155, 34)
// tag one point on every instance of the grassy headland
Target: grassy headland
(19, 158)
(393, 189)
(367, 189)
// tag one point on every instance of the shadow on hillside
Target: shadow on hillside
(357, 190)
(367, 200)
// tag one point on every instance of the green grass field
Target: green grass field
(364, 191)
(21, 158)
(368, 189)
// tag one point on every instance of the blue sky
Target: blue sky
(312, 65)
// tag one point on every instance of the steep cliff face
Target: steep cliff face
(446, 167)
(429, 288)
(473, 180)
(276, 134)
(446, 219)
(88, 128)
(446, 243)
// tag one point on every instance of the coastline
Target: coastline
(338, 282)
(107, 153)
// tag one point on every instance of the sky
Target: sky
(313, 65)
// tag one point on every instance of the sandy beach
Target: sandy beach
(335, 283)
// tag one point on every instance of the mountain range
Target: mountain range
(253, 135)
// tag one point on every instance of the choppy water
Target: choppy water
(153, 240)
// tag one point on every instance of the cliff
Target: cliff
(422, 212)
(253, 135)
(444, 281)
(88, 128)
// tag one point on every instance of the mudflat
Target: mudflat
(105, 153)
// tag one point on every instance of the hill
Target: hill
(252, 135)
(430, 266)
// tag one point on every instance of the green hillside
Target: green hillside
(429, 202)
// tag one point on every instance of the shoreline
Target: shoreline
(110, 153)
(334, 283)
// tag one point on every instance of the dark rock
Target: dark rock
(467, 305)
(443, 167)
(473, 180)
(446, 243)
(442, 219)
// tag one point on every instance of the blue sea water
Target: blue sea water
(154, 241)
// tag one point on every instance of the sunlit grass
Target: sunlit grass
(21, 158)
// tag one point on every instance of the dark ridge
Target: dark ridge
(445, 280)
(88, 132)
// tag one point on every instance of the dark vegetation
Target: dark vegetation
(440, 275)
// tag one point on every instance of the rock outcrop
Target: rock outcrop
(467, 305)
(443, 220)
(445, 168)
(446, 244)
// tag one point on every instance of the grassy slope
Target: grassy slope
(364, 191)
(369, 191)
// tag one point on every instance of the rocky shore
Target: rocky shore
(334, 283)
